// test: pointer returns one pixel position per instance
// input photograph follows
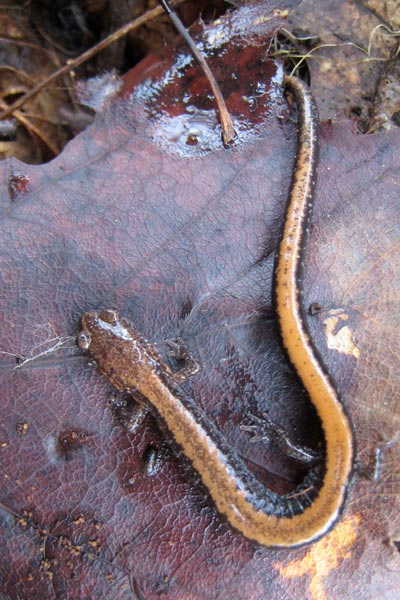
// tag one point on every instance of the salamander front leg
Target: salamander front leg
(179, 351)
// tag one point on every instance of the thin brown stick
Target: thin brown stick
(228, 131)
(73, 64)
(33, 130)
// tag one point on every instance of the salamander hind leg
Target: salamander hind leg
(266, 429)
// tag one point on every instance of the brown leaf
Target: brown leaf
(350, 49)
(148, 213)
(27, 58)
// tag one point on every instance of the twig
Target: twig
(32, 129)
(228, 131)
(73, 64)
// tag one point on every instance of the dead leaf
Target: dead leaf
(351, 50)
(26, 60)
(148, 213)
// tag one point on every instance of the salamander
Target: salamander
(132, 363)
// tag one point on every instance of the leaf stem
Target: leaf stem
(228, 131)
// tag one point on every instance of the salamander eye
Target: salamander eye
(109, 316)
(83, 340)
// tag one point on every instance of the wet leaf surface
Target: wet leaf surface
(146, 212)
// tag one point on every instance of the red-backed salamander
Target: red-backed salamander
(132, 364)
